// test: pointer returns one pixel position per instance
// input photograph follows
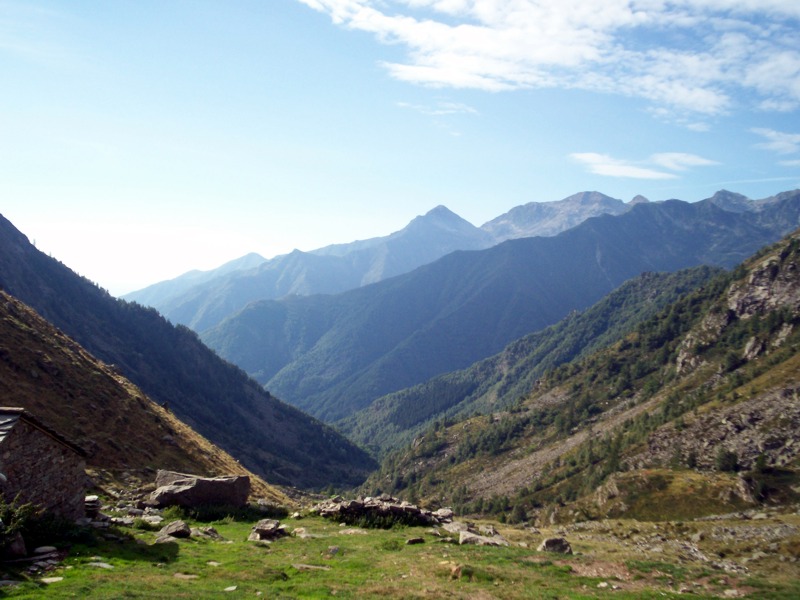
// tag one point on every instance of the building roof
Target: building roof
(10, 416)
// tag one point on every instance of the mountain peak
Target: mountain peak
(551, 218)
(732, 201)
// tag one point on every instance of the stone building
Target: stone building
(40, 465)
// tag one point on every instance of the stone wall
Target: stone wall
(43, 471)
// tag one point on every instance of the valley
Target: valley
(629, 383)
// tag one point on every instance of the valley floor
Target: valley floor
(754, 554)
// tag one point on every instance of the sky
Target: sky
(142, 139)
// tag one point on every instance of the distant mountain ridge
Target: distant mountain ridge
(334, 355)
(551, 218)
(174, 368)
(202, 300)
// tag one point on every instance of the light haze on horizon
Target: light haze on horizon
(140, 140)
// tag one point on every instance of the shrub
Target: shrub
(727, 460)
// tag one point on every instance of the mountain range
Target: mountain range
(202, 300)
(173, 367)
(334, 355)
(693, 411)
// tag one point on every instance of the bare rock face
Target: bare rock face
(180, 489)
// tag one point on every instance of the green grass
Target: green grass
(376, 564)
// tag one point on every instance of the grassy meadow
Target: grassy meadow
(619, 558)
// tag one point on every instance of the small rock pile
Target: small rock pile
(180, 530)
(267, 530)
(468, 534)
(378, 509)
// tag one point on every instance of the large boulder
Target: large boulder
(176, 529)
(191, 491)
(470, 538)
(557, 545)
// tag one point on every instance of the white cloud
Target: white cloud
(602, 164)
(789, 163)
(680, 161)
(692, 56)
(778, 141)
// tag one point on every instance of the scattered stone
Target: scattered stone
(267, 530)
(444, 515)
(557, 545)
(456, 527)
(186, 576)
(304, 567)
(49, 580)
(352, 531)
(153, 519)
(100, 565)
(164, 539)
(176, 529)
(213, 563)
(91, 506)
(332, 551)
(208, 533)
(45, 550)
(467, 537)
(230, 588)
(602, 585)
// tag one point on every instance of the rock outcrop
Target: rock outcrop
(383, 509)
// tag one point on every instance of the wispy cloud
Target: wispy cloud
(30, 32)
(440, 109)
(680, 161)
(778, 141)
(690, 56)
(668, 163)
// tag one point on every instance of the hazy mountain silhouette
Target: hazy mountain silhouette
(333, 355)
(174, 368)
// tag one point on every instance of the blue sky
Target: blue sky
(139, 139)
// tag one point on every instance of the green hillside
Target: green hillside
(694, 412)
(497, 382)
